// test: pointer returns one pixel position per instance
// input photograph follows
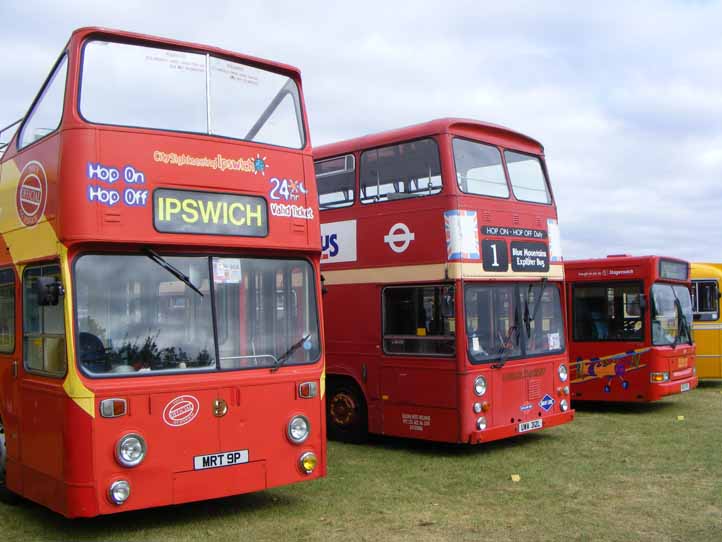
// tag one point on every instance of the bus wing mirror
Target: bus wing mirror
(48, 291)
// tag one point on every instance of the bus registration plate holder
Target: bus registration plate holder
(530, 425)
(684, 387)
(222, 459)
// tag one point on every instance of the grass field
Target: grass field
(632, 472)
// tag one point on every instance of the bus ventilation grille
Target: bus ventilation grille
(534, 389)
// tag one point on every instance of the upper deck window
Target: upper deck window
(400, 171)
(527, 177)
(479, 169)
(47, 111)
(336, 179)
(165, 89)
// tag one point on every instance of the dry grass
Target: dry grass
(617, 473)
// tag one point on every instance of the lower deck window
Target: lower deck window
(608, 312)
(419, 320)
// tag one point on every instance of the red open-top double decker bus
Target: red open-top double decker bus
(160, 336)
(630, 324)
(443, 276)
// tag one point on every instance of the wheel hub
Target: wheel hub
(343, 408)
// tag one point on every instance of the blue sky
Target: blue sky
(625, 97)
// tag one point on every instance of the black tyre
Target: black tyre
(346, 412)
(6, 496)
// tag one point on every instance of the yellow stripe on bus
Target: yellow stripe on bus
(73, 385)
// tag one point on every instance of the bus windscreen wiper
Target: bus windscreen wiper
(177, 273)
(287, 354)
(528, 319)
(507, 344)
(683, 325)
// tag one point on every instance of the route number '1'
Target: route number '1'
(493, 249)
(495, 255)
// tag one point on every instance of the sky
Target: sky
(626, 97)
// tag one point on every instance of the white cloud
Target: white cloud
(625, 97)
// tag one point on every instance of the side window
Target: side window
(705, 299)
(400, 171)
(48, 110)
(7, 311)
(336, 179)
(608, 312)
(43, 326)
(419, 320)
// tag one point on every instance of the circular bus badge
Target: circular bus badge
(180, 411)
(32, 193)
(399, 237)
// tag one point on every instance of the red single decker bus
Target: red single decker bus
(630, 322)
(160, 337)
(444, 284)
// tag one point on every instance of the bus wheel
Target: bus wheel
(346, 414)
(6, 496)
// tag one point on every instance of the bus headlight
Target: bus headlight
(477, 408)
(480, 385)
(119, 491)
(481, 423)
(298, 429)
(130, 450)
(563, 373)
(308, 462)
(564, 405)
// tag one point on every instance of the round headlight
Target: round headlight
(130, 450)
(298, 429)
(563, 373)
(308, 462)
(566, 390)
(480, 385)
(564, 405)
(481, 423)
(477, 408)
(119, 491)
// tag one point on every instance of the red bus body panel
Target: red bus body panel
(428, 397)
(619, 371)
(61, 452)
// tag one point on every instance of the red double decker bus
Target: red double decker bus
(444, 285)
(630, 321)
(160, 337)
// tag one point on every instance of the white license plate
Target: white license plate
(223, 459)
(685, 387)
(529, 426)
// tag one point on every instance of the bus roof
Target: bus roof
(706, 270)
(82, 33)
(415, 131)
(620, 267)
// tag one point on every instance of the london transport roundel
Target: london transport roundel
(32, 193)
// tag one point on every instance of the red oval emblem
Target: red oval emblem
(181, 410)
(32, 193)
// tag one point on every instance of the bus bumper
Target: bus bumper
(662, 389)
(512, 429)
